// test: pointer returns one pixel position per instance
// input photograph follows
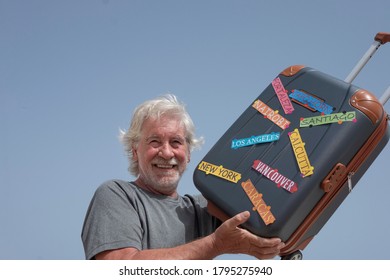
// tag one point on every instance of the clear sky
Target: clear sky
(72, 72)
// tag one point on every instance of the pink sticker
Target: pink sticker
(282, 95)
(275, 176)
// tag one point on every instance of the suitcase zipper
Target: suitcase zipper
(358, 160)
(350, 187)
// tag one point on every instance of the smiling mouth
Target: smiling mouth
(164, 166)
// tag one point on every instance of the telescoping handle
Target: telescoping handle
(385, 96)
(380, 39)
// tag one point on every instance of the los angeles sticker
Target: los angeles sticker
(219, 171)
(258, 202)
(253, 140)
(274, 175)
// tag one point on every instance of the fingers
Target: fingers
(230, 238)
(266, 248)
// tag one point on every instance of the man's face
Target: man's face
(162, 154)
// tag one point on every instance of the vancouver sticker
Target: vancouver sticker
(219, 171)
(300, 153)
(264, 138)
(327, 119)
(275, 176)
(282, 95)
(310, 101)
(258, 202)
(271, 114)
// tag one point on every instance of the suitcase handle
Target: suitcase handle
(381, 38)
(385, 96)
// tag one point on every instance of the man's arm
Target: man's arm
(229, 238)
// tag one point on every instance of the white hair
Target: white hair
(164, 105)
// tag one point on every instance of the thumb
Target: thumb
(239, 219)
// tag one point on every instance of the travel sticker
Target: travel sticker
(271, 114)
(275, 176)
(300, 153)
(258, 202)
(326, 119)
(219, 171)
(282, 95)
(264, 138)
(310, 101)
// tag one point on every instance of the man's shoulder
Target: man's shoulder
(115, 187)
(198, 199)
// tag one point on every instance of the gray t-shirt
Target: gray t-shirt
(123, 215)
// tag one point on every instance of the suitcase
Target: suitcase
(295, 153)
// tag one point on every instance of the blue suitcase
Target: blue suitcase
(295, 154)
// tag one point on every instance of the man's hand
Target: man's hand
(229, 238)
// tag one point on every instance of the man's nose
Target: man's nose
(166, 151)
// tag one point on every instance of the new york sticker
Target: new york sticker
(219, 171)
(300, 153)
(310, 101)
(282, 95)
(327, 119)
(275, 176)
(264, 138)
(258, 202)
(271, 114)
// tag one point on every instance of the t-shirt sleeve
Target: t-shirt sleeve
(111, 221)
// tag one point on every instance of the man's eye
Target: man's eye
(177, 143)
(154, 143)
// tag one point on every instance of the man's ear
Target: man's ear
(134, 152)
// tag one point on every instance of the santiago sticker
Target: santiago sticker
(326, 119)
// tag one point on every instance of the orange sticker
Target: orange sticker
(257, 200)
(271, 114)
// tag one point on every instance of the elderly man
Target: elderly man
(147, 218)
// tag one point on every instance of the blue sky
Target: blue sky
(72, 72)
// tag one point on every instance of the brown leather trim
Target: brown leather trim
(367, 103)
(338, 172)
(292, 243)
(216, 212)
(382, 37)
(292, 70)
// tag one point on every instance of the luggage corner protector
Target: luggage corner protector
(292, 70)
(367, 103)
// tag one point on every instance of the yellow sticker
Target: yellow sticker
(219, 171)
(271, 114)
(257, 200)
(300, 153)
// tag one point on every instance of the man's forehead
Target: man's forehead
(157, 127)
